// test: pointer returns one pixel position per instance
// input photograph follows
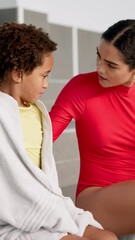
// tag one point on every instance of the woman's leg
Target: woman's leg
(112, 206)
(73, 237)
(92, 233)
(99, 234)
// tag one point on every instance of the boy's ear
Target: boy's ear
(16, 76)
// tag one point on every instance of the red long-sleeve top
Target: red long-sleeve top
(105, 128)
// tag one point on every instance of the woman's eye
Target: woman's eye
(110, 65)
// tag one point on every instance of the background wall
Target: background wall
(92, 15)
(76, 26)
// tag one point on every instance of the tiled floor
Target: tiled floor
(129, 237)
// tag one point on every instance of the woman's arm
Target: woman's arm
(70, 104)
(60, 119)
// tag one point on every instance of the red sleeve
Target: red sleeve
(60, 120)
(69, 104)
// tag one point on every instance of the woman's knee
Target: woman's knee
(73, 237)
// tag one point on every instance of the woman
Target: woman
(103, 106)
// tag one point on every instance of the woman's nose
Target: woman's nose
(100, 67)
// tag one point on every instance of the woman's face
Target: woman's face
(112, 69)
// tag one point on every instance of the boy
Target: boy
(31, 203)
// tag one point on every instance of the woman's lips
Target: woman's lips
(101, 78)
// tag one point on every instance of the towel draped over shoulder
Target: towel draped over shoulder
(32, 206)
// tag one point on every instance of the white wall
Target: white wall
(95, 15)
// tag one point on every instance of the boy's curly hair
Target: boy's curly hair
(22, 47)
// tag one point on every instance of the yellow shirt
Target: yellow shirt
(32, 132)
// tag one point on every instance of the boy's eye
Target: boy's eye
(97, 53)
(45, 76)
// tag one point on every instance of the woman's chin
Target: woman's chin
(104, 83)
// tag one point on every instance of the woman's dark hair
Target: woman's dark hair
(22, 47)
(122, 36)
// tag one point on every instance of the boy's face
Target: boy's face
(32, 86)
